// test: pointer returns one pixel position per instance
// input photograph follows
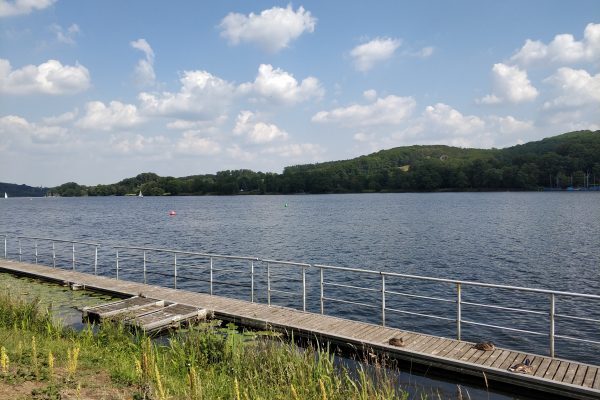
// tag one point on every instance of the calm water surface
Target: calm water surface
(541, 240)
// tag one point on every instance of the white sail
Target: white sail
(140, 194)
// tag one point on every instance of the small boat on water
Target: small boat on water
(140, 194)
(5, 195)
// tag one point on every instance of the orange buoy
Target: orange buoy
(172, 213)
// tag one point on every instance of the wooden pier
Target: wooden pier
(552, 376)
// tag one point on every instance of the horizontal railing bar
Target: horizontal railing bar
(351, 287)
(188, 253)
(576, 318)
(524, 310)
(419, 296)
(284, 262)
(455, 281)
(503, 328)
(349, 302)
(58, 240)
(284, 291)
(577, 339)
(419, 314)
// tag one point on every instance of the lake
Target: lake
(540, 240)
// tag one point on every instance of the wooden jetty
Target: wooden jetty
(150, 315)
(552, 376)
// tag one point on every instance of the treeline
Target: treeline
(571, 159)
(14, 190)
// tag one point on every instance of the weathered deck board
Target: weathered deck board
(562, 377)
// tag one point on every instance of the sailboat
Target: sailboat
(140, 194)
(5, 195)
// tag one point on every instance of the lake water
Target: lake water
(540, 240)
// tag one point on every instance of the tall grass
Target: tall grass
(203, 362)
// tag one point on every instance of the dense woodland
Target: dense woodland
(568, 160)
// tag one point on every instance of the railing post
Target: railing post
(458, 311)
(269, 284)
(95, 260)
(382, 299)
(36, 251)
(321, 284)
(252, 281)
(144, 266)
(552, 313)
(117, 264)
(53, 256)
(73, 256)
(211, 276)
(303, 288)
(20, 251)
(175, 270)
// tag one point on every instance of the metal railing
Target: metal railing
(332, 283)
(53, 241)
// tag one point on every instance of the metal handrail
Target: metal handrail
(377, 285)
(53, 241)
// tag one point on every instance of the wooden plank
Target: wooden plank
(423, 343)
(588, 381)
(570, 374)
(458, 351)
(447, 344)
(541, 367)
(493, 357)
(580, 375)
(552, 368)
(561, 371)
(451, 348)
(596, 384)
(435, 345)
(512, 359)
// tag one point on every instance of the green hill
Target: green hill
(14, 190)
(571, 159)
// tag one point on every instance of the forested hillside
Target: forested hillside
(14, 190)
(568, 160)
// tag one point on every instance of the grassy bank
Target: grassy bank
(40, 359)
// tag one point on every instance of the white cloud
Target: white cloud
(508, 125)
(296, 150)
(446, 119)
(562, 49)
(425, 52)
(277, 85)
(138, 144)
(17, 130)
(272, 29)
(237, 153)
(66, 36)
(61, 119)
(370, 95)
(257, 131)
(100, 117)
(390, 110)
(201, 96)
(50, 77)
(363, 137)
(575, 87)
(377, 50)
(183, 125)
(18, 7)
(144, 70)
(510, 85)
(191, 143)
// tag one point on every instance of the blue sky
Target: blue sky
(97, 91)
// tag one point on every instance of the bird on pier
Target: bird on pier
(484, 346)
(397, 341)
(525, 367)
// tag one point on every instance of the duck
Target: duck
(484, 346)
(397, 341)
(525, 367)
